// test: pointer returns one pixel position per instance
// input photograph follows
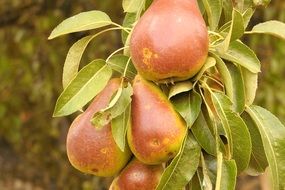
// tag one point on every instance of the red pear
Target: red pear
(92, 150)
(138, 176)
(157, 130)
(170, 41)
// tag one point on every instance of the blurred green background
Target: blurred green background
(32, 143)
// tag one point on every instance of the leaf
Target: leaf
(235, 32)
(272, 134)
(228, 9)
(258, 161)
(188, 105)
(207, 184)
(73, 58)
(203, 135)
(210, 62)
(272, 27)
(241, 54)
(132, 6)
(119, 127)
(129, 20)
(247, 16)
(238, 98)
(250, 84)
(179, 88)
(116, 107)
(81, 22)
(214, 10)
(118, 63)
(183, 166)
(236, 131)
(227, 174)
(90, 80)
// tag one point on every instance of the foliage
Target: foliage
(222, 107)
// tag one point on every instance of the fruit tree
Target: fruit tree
(173, 107)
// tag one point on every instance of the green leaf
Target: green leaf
(188, 105)
(261, 2)
(207, 184)
(81, 22)
(195, 183)
(180, 87)
(247, 16)
(116, 107)
(210, 62)
(241, 54)
(273, 27)
(183, 166)
(228, 9)
(203, 134)
(250, 85)
(214, 10)
(235, 32)
(272, 134)
(236, 131)
(119, 126)
(226, 174)
(258, 161)
(129, 20)
(132, 6)
(238, 98)
(90, 80)
(118, 63)
(73, 58)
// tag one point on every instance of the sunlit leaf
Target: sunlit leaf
(116, 107)
(132, 6)
(241, 54)
(86, 85)
(179, 88)
(81, 22)
(214, 10)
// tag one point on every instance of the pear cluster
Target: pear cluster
(169, 43)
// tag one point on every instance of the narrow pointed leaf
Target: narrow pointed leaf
(116, 107)
(119, 126)
(273, 27)
(258, 161)
(241, 54)
(203, 134)
(73, 58)
(132, 6)
(272, 134)
(81, 22)
(183, 166)
(236, 131)
(250, 84)
(86, 85)
(214, 10)
(179, 88)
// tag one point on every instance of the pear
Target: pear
(93, 150)
(157, 130)
(138, 175)
(170, 41)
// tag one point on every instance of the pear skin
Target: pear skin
(92, 150)
(170, 41)
(138, 175)
(157, 130)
